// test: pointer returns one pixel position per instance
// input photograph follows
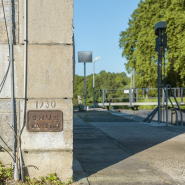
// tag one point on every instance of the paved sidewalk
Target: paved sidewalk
(112, 149)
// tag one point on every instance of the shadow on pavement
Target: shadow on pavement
(105, 146)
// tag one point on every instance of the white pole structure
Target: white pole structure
(24, 91)
(12, 78)
(97, 58)
(16, 173)
(84, 57)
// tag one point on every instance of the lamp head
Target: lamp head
(97, 58)
(160, 25)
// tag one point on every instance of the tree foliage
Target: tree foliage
(138, 42)
(103, 80)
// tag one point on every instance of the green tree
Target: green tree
(138, 41)
(103, 80)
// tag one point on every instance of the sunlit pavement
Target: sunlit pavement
(114, 149)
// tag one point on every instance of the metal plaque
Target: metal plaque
(44, 121)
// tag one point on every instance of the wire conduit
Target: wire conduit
(24, 90)
(16, 174)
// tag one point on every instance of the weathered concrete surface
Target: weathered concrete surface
(48, 21)
(53, 66)
(5, 90)
(6, 158)
(5, 105)
(6, 122)
(145, 154)
(15, 26)
(49, 141)
(4, 58)
(49, 82)
(6, 131)
(47, 162)
(45, 65)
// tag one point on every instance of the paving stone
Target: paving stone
(109, 152)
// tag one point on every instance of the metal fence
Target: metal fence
(136, 95)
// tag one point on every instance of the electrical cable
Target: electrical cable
(5, 23)
(5, 143)
(4, 79)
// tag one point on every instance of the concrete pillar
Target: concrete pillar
(50, 69)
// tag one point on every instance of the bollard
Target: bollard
(173, 117)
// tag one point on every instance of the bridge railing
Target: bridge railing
(134, 95)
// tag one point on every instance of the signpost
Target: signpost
(85, 57)
(97, 58)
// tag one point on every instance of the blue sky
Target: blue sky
(97, 25)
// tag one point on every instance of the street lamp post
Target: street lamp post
(97, 58)
(84, 57)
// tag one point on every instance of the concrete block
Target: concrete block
(6, 131)
(5, 90)
(47, 140)
(50, 140)
(59, 162)
(3, 33)
(48, 21)
(50, 71)
(6, 158)
(6, 122)
(5, 106)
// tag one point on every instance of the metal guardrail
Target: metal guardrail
(135, 94)
(133, 100)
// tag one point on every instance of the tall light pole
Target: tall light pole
(159, 28)
(97, 58)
